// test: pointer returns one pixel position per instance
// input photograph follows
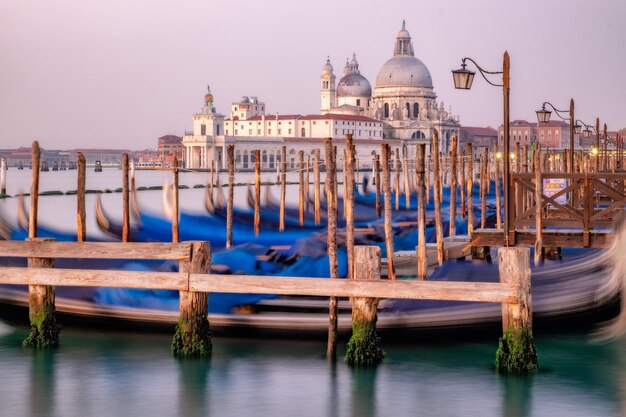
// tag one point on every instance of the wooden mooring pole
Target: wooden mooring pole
(386, 151)
(538, 212)
(193, 335)
(496, 170)
(516, 353)
(470, 185)
(257, 192)
(175, 228)
(3, 176)
(126, 200)
(283, 187)
(484, 187)
(230, 152)
(437, 195)
(453, 184)
(405, 171)
(421, 211)
(364, 346)
(378, 188)
(348, 198)
(316, 186)
(397, 182)
(462, 187)
(81, 215)
(44, 329)
(331, 179)
(301, 186)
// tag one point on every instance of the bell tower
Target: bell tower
(328, 92)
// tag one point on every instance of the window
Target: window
(258, 131)
(290, 131)
(249, 132)
(203, 129)
(217, 132)
(279, 131)
(386, 110)
(416, 109)
(408, 109)
(303, 132)
(269, 131)
(314, 122)
(358, 101)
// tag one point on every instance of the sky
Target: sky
(120, 73)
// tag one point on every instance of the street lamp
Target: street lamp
(463, 79)
(543, 116)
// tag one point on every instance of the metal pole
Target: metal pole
(505, 175)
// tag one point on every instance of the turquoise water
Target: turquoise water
(110, 374)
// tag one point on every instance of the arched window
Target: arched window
(264, 158)
(245, 159)
(418, 135)
(271, 159)
(292, 158)
(252, 157)
(416, 109)
(386, 111)
(237, 157)
(303, 132)
(408, 109)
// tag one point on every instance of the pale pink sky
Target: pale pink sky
(121, 73)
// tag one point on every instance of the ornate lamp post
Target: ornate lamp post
(543, 116)
(463, 79)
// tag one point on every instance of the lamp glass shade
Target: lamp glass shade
(463, 78)
(543, 115)
(586, 133)
(577, 128)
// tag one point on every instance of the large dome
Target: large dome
(404, 71)
(354, 85)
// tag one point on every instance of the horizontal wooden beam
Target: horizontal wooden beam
(96, 250)
(422, 290)
(94, 278)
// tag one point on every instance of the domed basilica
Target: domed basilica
(403, 98)
(402, 111)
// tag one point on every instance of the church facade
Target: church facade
(402, 110)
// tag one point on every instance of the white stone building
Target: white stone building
(401, 111)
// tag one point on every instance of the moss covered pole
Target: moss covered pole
(193, 335)
(516, 352)
(44, 329)
(348, 198)
(364, 347)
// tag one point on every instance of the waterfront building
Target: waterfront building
(554, 134)
(479, 137)
(401, 110)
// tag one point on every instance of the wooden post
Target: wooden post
(421, 211)
(437, 196)
(44, 329)
(331, 168)
(348, 198)
(364, 346)
(175, 229)
(193, 335)
(516, 351)
(496, 171)
(386, 150)
(126, 200)
(378, 205)
(316, 185)
(257, 192)
(538, 204)
(283, 187)
(427, 179)
(301, 186)
(230, 151)
(212, 182)
(3, 176)
(397, 179)
(462, 188)
(405, 171)
(484, 185)
(453, 184)
(307, 182)
(81, 216)
(470, 183)
(34, 190)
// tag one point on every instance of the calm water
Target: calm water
(98, 374)
(104, 374)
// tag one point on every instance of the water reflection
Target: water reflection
(516, 396)
(193, 392)
(363, 397)
(42, 382)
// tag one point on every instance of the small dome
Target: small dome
(328, 68)
(354, 85)
(404, 71)
(245, 99)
